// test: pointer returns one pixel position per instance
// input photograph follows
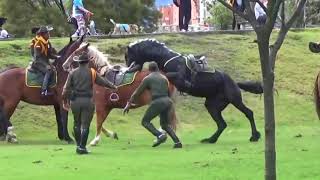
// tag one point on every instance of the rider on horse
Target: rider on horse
(42, 51)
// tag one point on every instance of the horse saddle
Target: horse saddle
(118, 75)
(197, 65)
(34, 78)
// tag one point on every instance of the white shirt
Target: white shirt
(4, 34)
(258, 11)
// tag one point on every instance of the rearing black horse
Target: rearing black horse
(217, 87)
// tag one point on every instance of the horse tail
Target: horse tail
(173, 117)
(251, 86)
(316, 95)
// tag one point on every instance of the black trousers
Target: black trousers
(184, 14)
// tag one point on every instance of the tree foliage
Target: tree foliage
(221, 16)
(24, 14)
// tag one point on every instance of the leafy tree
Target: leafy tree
(313, 12)
(23, 15)
(268, 53)
(220, 16)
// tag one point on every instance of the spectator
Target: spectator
(4, 33)
(260, 14)
(184, 13)
(237, 20)
(80, 14)
(92, 28)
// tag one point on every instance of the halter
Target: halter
(167, 62)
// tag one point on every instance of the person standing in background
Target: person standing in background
(184, 13)
(80, 14)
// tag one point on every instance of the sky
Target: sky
(163, 2)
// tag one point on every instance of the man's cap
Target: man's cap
(44, 29)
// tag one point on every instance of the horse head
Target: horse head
(68, 50)
(147, 50)
(97, 59)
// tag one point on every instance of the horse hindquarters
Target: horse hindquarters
(316, 95)
(207, 84)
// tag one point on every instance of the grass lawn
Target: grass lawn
(40, 155)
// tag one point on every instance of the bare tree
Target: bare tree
(268, 53)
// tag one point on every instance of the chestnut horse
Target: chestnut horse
(317, 94)
(104, 100)
(13, 89)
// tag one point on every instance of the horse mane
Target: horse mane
(8, 67)
(98, 58)
(143, 49)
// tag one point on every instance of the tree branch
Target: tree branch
(243, 15)
(262, 6)
(283, 16)
(297, 13)
(247, 14)
(283, 31)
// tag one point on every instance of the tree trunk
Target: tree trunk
(269, 115)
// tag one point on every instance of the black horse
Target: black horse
(217, 87)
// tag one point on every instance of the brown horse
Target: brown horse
(13, 89)
(106, 99)
(316, 94)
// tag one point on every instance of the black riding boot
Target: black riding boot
(83, 142)
(77, 135)
(45, 83)
(151, 128)
(174, 137)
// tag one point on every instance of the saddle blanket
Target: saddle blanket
(121, 79)
(35, 79)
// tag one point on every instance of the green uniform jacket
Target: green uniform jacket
(41, 60)
(157, 83)
(80, 83)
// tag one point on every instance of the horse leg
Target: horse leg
(64, 119)
(9, 109)
(58, 119)
(215, 107)
(249, 114)
(102, 114)
(109, 133)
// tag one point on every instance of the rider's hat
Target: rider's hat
(44, 29)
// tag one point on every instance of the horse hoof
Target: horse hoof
(255, 137)
(207, 140)
(60, 137)
(2, 138)
(12, 140)
(115, 136)
(94, 142)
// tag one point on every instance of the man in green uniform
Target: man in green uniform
(42, 51)
(79, 89)
(161, 105)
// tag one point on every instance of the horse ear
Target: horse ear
(88, 44)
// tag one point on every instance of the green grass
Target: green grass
(232, 157)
